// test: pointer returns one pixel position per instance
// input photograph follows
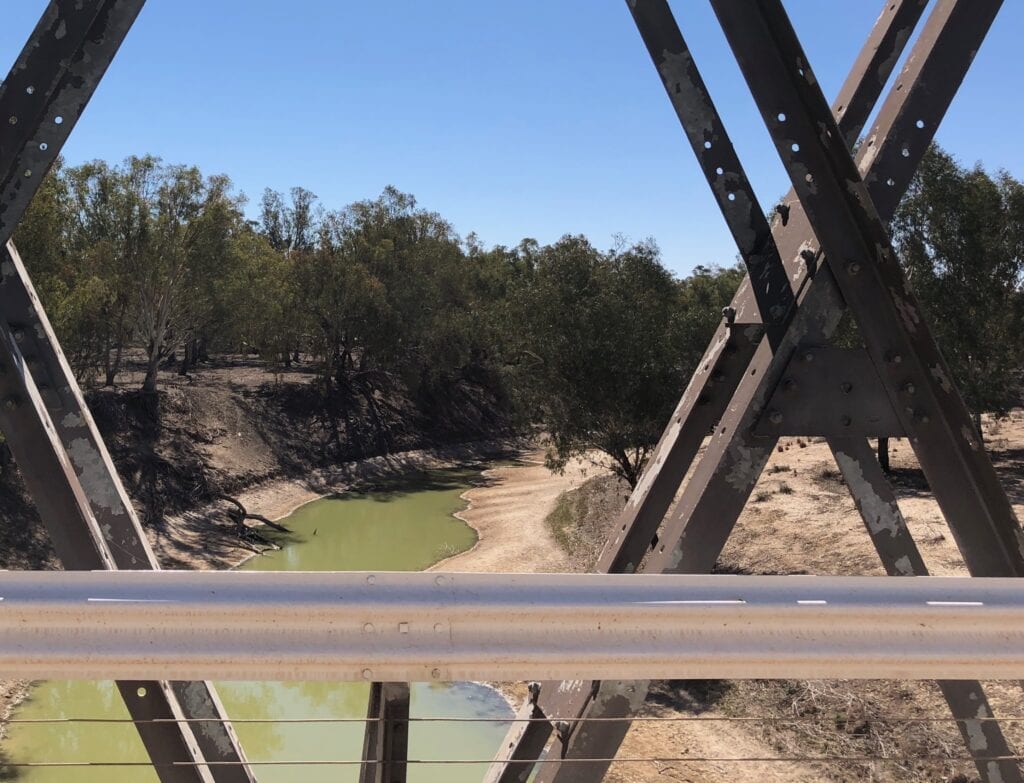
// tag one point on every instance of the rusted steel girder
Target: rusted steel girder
(724, 364)
(887, 528)
(732, 347)
(48, 426)
(853, 236)
(933, 73)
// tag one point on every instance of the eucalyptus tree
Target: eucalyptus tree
(959, 233)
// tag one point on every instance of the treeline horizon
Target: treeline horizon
(592, 346)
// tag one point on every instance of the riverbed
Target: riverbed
(401, 524)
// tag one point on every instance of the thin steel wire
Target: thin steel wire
(446, 719)
(627, 760)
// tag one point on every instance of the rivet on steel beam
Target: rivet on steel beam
(10, 403)
(368, 628)
(893, 358)
(808, 356)
(846, 387)
(909, 387)
(435, 673)
(847, 421)
(775, 417)
(922, 417)
(439, 581)
(789, 385)
(371, 579)
(19, 335)
(853, 267)
(367, 674)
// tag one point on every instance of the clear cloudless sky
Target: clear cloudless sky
(512, 118)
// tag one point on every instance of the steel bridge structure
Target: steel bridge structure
(771, 370)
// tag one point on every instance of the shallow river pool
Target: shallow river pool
(402, 525)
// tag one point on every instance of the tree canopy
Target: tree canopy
(591, 347)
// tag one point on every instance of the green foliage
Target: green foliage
(960, 235)
(589, 347)
(605, 342)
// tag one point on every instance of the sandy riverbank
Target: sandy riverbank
(202, 540)
(508, 511)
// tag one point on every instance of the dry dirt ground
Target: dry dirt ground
(800, 520)
(508, 511)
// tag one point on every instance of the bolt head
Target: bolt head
(846, 387)
(775, 417)
(853, 267)
(847, 421)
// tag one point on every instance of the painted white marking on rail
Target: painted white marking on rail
(731, 601)
(810, 602)
(954, 603)
(130, 600)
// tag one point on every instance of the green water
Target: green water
(400, 526)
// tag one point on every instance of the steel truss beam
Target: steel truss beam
(48, 427)
(386, 738)
(888, 158)
(416, 627)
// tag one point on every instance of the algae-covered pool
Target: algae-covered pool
(401, 525)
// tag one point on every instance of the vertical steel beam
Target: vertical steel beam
(49, 428)
(887, 528)
(386, 741)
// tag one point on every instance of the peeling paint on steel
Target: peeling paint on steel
(908, 313)
(745, 468)
(880, 515)
(903, 566)
(939, 374)
(94, 476)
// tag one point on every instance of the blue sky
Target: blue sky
(512, 118)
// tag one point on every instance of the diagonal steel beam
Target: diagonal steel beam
(69, 472)
(731, 349)
(891, 538)
(852, 234)
(926, 86)
(724, 364)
